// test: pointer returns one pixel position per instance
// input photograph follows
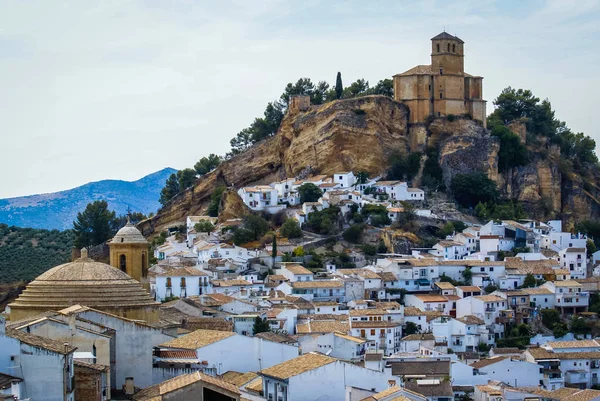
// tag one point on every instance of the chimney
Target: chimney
(129, 387)
(72, 324)
(75, 254)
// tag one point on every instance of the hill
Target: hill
(25, 253)
(359, 134)
(58, 210)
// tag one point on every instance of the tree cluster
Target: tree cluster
(474, 188)
(577, 149)
(97, 223)
(25, 253)
(319, 93)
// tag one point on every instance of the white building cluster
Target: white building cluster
(343, 189)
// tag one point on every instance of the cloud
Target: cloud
(94, 90)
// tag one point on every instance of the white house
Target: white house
(461, 334)
(182, 282)
(558, 240)
(334, 344)
(575, 261)
(321, 290)
(415, 194)
(43, 368)
(570, 298)
(284, 190)
(427, 302)
(344, 179)
(222, 351)
(485, 307)
(236, 253)
(261, 197)
(490, 244)
(295, 272)
(396, 190)
(469, 240)
(315, 375)
(513, 371)
(450, 250)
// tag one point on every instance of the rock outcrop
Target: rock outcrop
(465, 146)
(232, 207)
(359, 134)
(354, 134)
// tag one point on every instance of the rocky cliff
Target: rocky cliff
(354, 134)
(359, 134)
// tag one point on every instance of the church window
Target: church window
(448, 47)
(441, 95)
(438, 47)
(453, 48)
(123, 263)
(441, 71)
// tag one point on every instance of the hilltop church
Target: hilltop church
(442, 87)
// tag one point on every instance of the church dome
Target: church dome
(83, 282)
(129, 235)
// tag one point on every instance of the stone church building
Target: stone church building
(442, 87)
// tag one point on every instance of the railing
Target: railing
(490, 309)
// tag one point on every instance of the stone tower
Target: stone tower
(129, 252)
(448, 75)
(442, 87)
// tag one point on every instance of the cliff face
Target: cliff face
(353, 134)
(465, 146)
(358, 135)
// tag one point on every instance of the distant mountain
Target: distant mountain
(58, 210)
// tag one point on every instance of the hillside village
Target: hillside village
(298, 290)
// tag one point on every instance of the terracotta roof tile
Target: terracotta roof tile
(198, 339)
(298, 365)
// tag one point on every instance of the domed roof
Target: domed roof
(129, 235)
(84, 282)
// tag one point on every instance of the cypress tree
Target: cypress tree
(339, 87)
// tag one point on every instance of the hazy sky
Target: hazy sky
(119, 89)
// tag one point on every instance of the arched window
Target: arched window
(448, 47)
(144, 266)
(441, 95)
(438, 47)
(441, 71)
(123, 263)
(453, 48)
(94, 349)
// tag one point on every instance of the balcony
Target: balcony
(490, 309)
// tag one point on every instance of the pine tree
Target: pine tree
(93, 225)
(274, 247)
(260, 325)
(339, 87)
(170, 189)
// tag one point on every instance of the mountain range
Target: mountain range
(58, 210)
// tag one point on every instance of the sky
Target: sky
(92, 90)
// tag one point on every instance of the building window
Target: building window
(123, 263)
(438, 47)
(441, 96)
(453, 48)
(168, 282)
(183, 282)
(448, 47)
(441, 71)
